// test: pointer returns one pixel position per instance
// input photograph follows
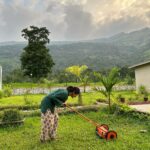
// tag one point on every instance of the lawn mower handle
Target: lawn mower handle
(82, 116)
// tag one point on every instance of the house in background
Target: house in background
(142, 75)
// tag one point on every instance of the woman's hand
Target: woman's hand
(64, 105)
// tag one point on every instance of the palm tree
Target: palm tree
(108, 81)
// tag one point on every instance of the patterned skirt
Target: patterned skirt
(49, 125)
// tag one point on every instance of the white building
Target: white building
(142, 74)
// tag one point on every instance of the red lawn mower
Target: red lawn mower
(101, 130)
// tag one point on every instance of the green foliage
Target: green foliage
(142, 89)
(97, 54)
(137, 96)
(125, 72)
(47, 83)
(120, 98)
(123, 109)
(129, 80)
(20, 107)
(7, 91)
(35, 60)
(1, 94)
(77, 70)
(27, 100)
(108, 81)
(143, 92)
(64, 77)
(16, 76)
(11, 115)
(85, 78)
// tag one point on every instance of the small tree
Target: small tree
(36, 60)
(108, 81)
(85, 78)
(81, 73)
(77, 70)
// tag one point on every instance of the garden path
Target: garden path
(142, 107)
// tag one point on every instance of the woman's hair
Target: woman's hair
(72, 89)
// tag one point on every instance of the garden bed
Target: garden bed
(12, 123)
(138, 103)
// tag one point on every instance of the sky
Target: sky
(73, 19)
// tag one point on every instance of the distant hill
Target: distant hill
(119, 50)
(136, 38)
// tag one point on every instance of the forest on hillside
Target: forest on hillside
(124, 49)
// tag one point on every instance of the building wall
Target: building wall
(142, 76)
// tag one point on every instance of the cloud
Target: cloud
(79, 22)
(127, 24)
(15, 18)
(120, 16)
(73, 19)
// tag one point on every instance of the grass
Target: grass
(33, 85)
(88, 98)
(76, 134)
(19, 100)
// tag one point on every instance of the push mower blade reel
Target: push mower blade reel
(103, 132)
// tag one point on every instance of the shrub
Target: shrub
(26, 98)
(121, 109)
(101, 100)
(7, 91)
(142, 89)
(120, 98)
(129, 80)
(11, 115)
(20, 107)
(1, 94)
(137, 96)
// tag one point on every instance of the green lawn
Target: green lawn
(20, 100)
(32, 85)
(77, 134)
(88, 98)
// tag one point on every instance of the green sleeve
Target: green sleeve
(57, 102)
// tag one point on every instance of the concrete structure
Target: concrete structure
(142, 74)
(0, 77)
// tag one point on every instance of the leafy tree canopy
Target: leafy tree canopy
(35, 60)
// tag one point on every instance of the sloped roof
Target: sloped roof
(139, 65)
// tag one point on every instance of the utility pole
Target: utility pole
(0, 77)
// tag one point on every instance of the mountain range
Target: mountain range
(123, 49)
